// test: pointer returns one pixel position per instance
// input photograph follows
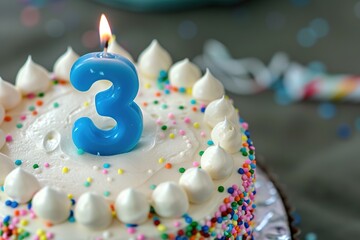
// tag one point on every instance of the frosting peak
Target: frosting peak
(217, 162)
(62, 66)
(227, 136)
(93, 211)
(32, 78)
(154, 59)
(6, 166)
(218, 110)
(51, 204)
(208, 88)
(170, 200)
(114, 47)
(197, 184)
(184, 74)
(132, 207)
(10, 97)
(21, 185)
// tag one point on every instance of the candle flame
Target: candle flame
(104, 29)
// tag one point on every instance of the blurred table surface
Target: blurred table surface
(319, 170)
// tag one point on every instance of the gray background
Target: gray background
(318, 169)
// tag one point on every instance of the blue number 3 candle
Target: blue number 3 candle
(115, 102)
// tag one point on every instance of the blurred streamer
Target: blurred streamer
(290, 80)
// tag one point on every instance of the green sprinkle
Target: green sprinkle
(31, 108)
(35, 166)
(156, 102)
(244, 154)
(181, 170)
(18, 162)
(181, 107)
(221, 188)
(87, 184)
(80, 151)
(152, 186)
(41, 94)
(19, 125)
(164, 106)
(201, 152)
(106, 193)
(56, 105)
(163, 127)
(55, 82)
(164, 236)
(251, 171)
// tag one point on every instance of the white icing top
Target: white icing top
(197, 184)
(154, 59)
(208, 88)
(227, 136)
(170, 200)
(32, 78)
(184, 74)
(114, 47)
(218, 110)
(132, 207)
(93, 211)
(217, 162)
(21, 185)
(6, 166)
(63, 64)
(51, 204)
(10, 97)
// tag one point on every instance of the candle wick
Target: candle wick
(106, 46)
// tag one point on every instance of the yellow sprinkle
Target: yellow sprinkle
(20, 230)
(113, 213)
(65, 170)
(24, 222)
(161, 160)
(161, 227)
(70, 196)
(120, 171)
(89, 179)
(40, 232)
(244, 138)
(196, 125)
(86, 104)
(147, 85)
(172, 135)
(235, 223)
(43, 237)
(189, 91)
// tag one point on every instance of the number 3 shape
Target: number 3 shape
(115, 102)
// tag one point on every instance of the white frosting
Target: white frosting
(169, 200)
(93, 211)
(6, 166)
(184, 74)
(208, 88)
(227, 136)
(218, 110)
(10, 97)
(2, 113)
(154, 59)
(32, 78)
(114, 47)
(20, 185)
(217, 162)
(63, 64)
(132, 207)
(197, 184)
(2, 138)
(51, 204)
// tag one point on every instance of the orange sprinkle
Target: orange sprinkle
(144, 104)
(48, 224)
(63, 82)
(226, 200)
(237, 198)
(168, 165)
(248, 174)
(34, 113)
(175, 89)
(16, 212)
(194, 109)
(39, 103)
(245, 144)
(158, 94)
(7, 118)
(112, 207)
(245, 165)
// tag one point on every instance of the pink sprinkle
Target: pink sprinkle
(247, 161)
(173, 122)
(23, 117)
(203, 134)
(171, 116)
(187, 120)
(140, 237)
(177, 223)
(46, 164)
(252, 148)
(245, 125)
(31, 95)
(234, 186)
(23, 212)
(50, 235)
(15, 220)
(168, 87)
(182, 132)
(131, 230)
(9, 138)
(158, 121)
(36, 237)
(105, 171)
(196, 164)
(11, 226)
(202, 105)
(32, 215)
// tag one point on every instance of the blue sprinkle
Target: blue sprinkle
(6, 219)
(251, 157)
(71, 219)
(163, 74)
(202, 109)
(219, 220)
(14, 204)
(205, 228)
(167, 91)
(246, 225)
(230, 190)
(18, 162)
(241, 171)
(71, 214)
(131, 225)
(8, 203)
(327, 110)
(243, 208)
(73, 202)
(106, 165)
(2, 188)
(182, 90)
(210, 142)
(253, 206)
(253, 166)
(188, 219)
(193, 101)
(29, 205)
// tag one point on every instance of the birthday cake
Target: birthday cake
(190, 176)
